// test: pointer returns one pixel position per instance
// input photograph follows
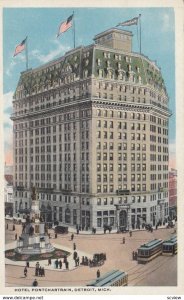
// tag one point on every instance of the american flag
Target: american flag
(133, 21)
(20, 47)
(65, 25)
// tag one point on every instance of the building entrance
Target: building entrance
(123, 219)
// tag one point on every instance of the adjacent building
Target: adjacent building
(173, 193)
(91, 134)
(8, 190)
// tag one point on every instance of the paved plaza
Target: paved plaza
(162, 271)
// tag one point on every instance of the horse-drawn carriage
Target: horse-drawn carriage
(98, 260)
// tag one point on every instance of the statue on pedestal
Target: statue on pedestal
(34, 237)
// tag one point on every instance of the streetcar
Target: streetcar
(169, 247)
(149, 251)
(112, 278)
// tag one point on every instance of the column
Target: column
(129, 223)
(117, 218)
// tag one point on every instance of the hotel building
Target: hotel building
(91, 134)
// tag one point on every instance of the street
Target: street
(162, 270)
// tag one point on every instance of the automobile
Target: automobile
(107, 227)
(98, 260)
(61, 229)
(170, 224)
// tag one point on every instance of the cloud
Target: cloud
(45, 58)
(10, 68)
(167, 23)
(14, 61)
(172, 148)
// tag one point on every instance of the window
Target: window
(98, 167)
(133, 199)
(110, 156)
(99, 201)
(111, 202)
(105, 189)
(105, 201)
(98, 188)
(98, 178)
(105, 134)
(105, 167)
(99, 222)
(98, 123)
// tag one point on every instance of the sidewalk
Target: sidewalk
(98, 232)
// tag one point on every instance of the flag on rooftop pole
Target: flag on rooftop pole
(133, 21)
(19, 48)
(64, 26)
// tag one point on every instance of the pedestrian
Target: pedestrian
(130, 233)
(60, 264)
(133, 255)
(67, 265)
(98, 273)
(65, 262)
(40, 271)
(16, 236)
(72, 237)
(49, 262)
(56, 263)
(37, 269)
(75, 255)
(55, 235)
(123, 240)
(13, 227)
(65, 259)
(25, 271)
(75, 262)
(35, 283)
(43, 271)
(27, 264)
(7, 226)
(74, 246)
(78, 261)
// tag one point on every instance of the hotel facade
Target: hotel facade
(91, 134)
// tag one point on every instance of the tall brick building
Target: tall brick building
(91, 134)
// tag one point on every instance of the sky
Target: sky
(40, 25)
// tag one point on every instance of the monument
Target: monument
(34, 238)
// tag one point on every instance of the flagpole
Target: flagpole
(26, 53)
(140, 30)
(74, 29)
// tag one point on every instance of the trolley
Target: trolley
(149, 251)
(112, 278)
(169, 247)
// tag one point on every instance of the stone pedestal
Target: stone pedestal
(34, 240)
